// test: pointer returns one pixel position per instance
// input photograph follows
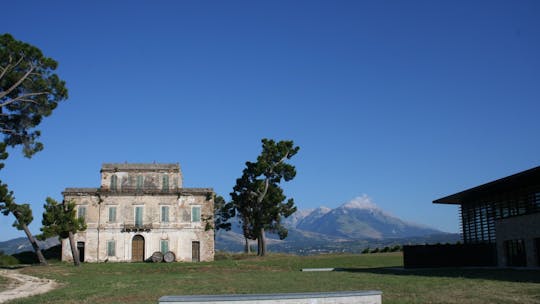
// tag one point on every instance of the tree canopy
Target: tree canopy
(29, 91)
(257, 197)
(61, 220)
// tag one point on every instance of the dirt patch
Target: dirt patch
(21, 285)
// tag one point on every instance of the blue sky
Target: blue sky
(405, 101)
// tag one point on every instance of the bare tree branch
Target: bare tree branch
(15, 85)
(9, 66)
(23, 98)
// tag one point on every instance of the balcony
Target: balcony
(133, 227)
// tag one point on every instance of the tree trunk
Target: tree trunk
(261, 241)
(246, 246)
(74, 250)
(35, 245)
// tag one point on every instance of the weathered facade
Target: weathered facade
(140, 209)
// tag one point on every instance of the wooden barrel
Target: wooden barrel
(169, 257)
(157, 257)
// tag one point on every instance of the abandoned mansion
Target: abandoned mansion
(140, 209)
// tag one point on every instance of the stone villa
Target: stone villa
(140, 209)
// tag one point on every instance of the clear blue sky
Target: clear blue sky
(405, 101)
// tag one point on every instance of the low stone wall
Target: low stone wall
(342, 297)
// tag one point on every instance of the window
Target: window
(112, 214)
(164, 244)
(138, 216)
(81, 212)
(515, 253)
(165, 214)
(139, 182)
(165, 184)
(114, 182)
(196, 214)
(111, 248)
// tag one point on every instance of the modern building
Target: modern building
(505, 213)
(140, 209)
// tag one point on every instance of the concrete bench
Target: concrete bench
(340, 297)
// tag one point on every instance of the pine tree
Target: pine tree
(257, 197)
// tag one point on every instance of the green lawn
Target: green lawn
(145, 283)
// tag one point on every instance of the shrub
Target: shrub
(8, 260)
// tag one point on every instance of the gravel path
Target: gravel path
(21, 285)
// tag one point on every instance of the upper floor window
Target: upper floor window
(138, 216)
(165, 184)
(81, 212)
(139, 182)
(165, 214)
(112, 214)
(114, 182)
(196, 214)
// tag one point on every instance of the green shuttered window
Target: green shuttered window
(111, 248)
(138, 216)
(81, 211)
(112, 214)
(164, 246)
(165, 214)
(196, 214)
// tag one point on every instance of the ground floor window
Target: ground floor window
(164, 246)
(111, 248)
(515, 253)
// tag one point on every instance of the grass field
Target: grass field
(145, 283)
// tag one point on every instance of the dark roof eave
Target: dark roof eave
(521, 179)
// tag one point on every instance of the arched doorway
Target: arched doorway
(137, 248)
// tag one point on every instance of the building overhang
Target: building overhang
(523, 180)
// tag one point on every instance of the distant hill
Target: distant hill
(22, 244)
(350, 227)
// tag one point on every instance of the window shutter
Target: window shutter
(165, 214)
(138, 216)
(111, 248)
(112, 214)
(196, 214)
(164, 246)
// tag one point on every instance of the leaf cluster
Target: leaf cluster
(59, 219)
(223, 211)
(29, 91)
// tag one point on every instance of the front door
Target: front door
(195, 251)
(137, 249)
(80, 248)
